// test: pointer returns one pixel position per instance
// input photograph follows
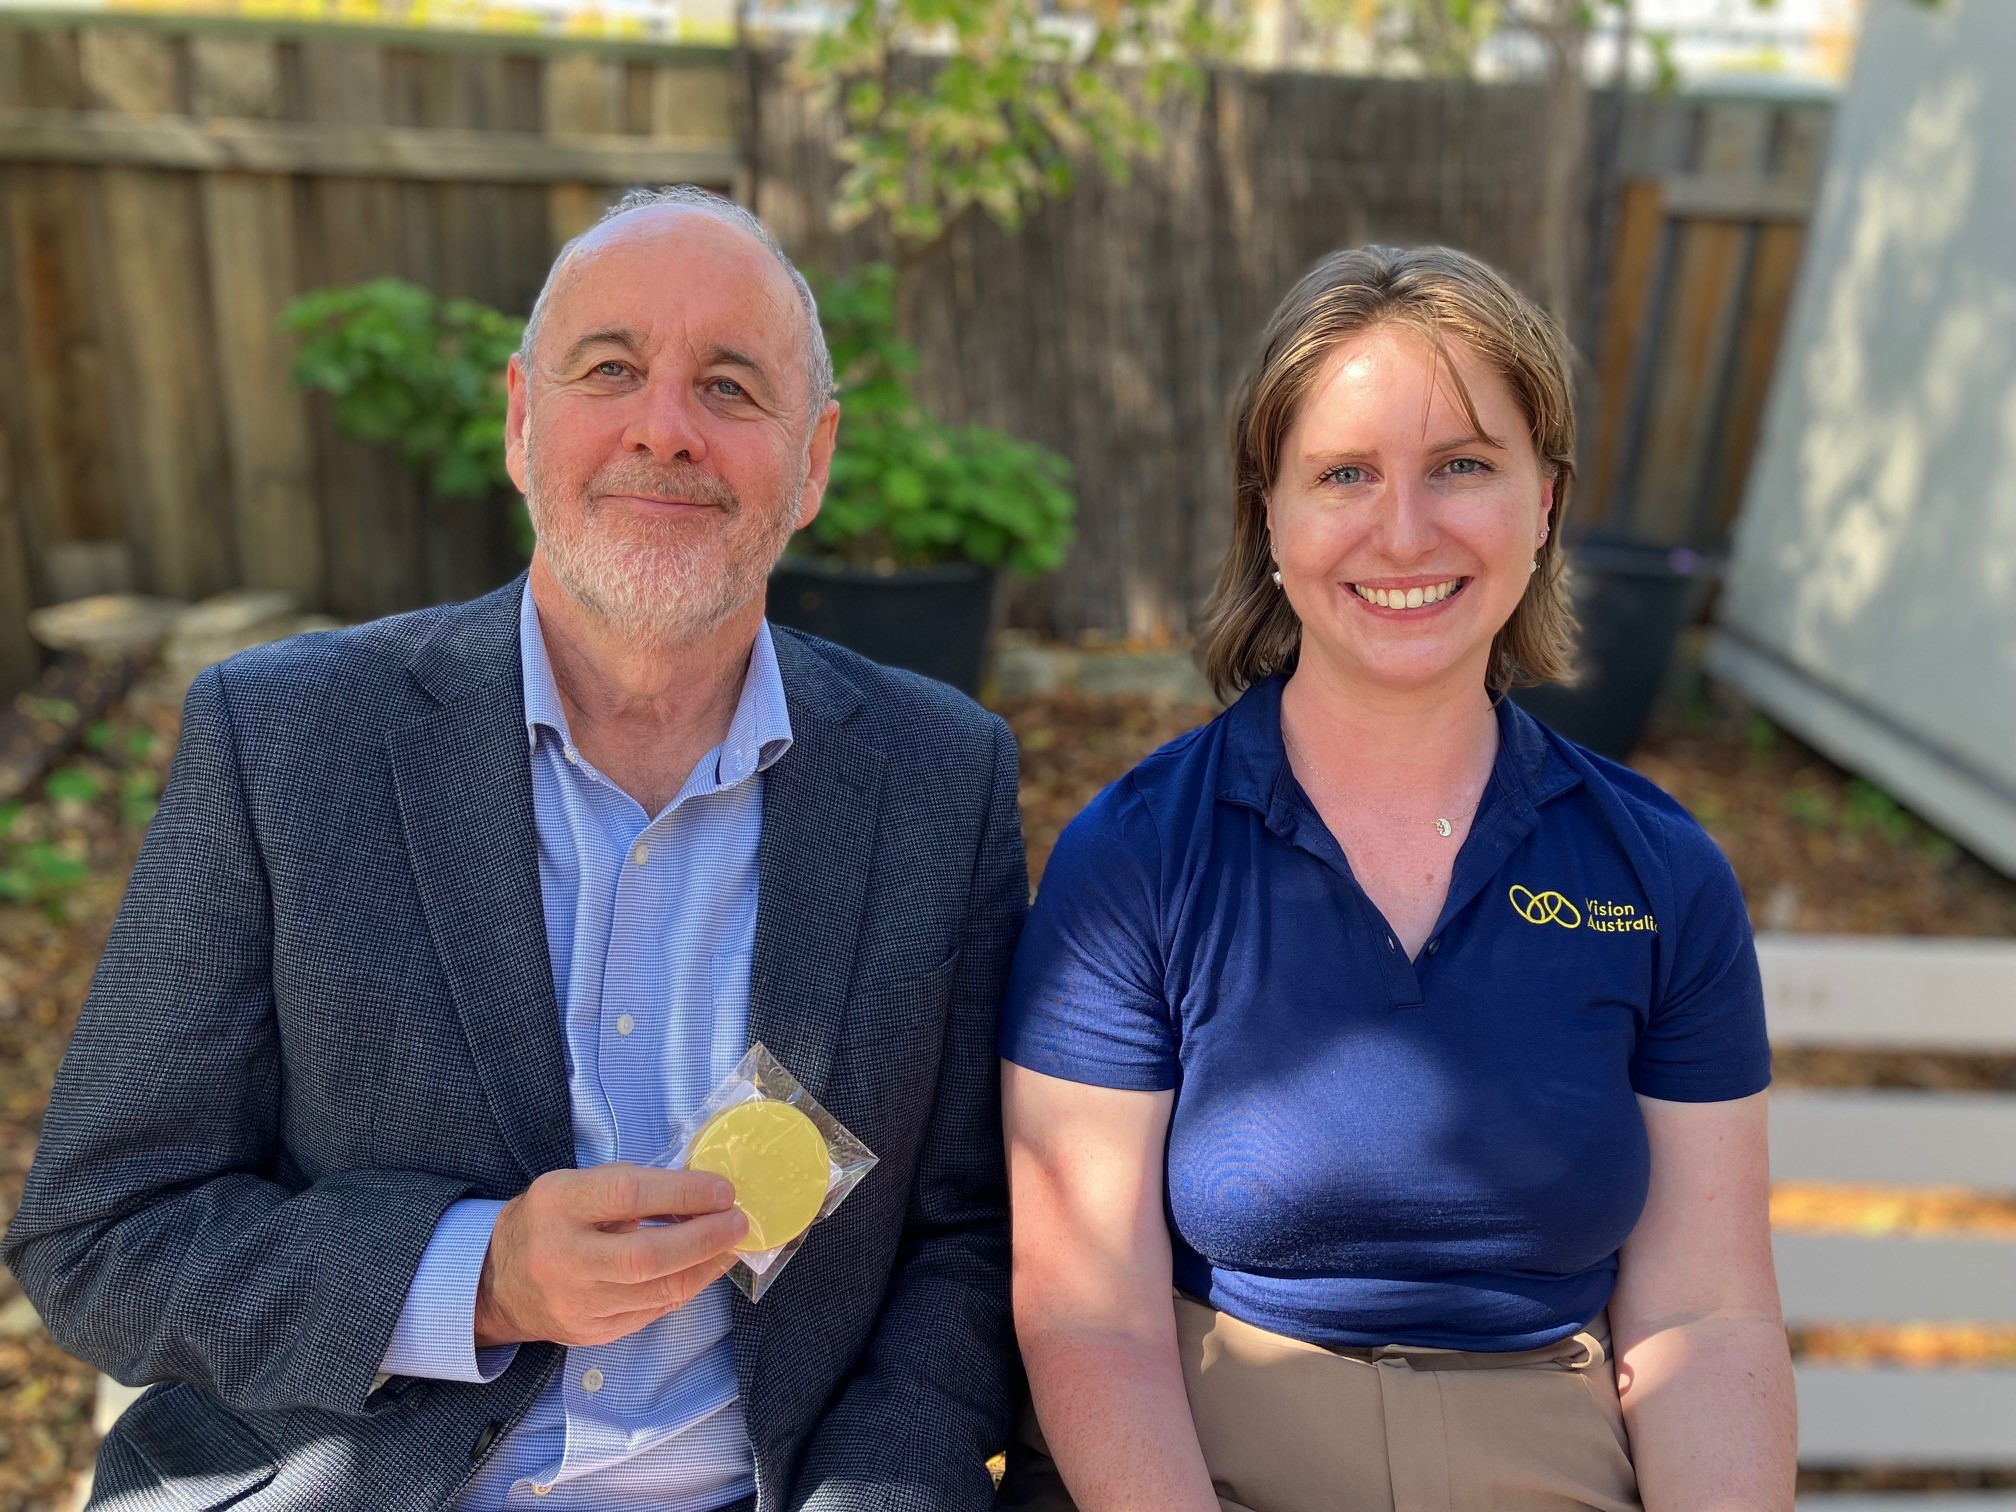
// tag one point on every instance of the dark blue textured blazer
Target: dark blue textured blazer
(326, 1012)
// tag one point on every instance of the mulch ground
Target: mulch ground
(1816, 850)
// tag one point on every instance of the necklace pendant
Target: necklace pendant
(1443, 827)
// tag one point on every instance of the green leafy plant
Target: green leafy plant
(908, 491)
(41, 875)
(1869, 807)
(407, 368)
(74, 784)
(1809, 806)
(993, 105)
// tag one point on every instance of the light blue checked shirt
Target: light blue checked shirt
(651, 923)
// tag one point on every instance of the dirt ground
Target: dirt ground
(1815, 850)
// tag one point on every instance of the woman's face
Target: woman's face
(1405, 539)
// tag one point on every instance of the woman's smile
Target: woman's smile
(1407, 598)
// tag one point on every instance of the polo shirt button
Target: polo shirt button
(542, 1490)
(1433, 946)
(591, 1380)
(624, 1024)
(641, 854)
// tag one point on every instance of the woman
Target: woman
(1420, 1049)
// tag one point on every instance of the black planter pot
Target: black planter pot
(926, 619)
(1633, 600)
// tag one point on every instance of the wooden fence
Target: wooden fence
(166, 188)
(1703, 241)
(1114, 325)
(165, 192)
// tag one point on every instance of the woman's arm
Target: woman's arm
(1703, 1367)
(1092, 1300)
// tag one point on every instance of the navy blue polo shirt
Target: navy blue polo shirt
(1366, 1149)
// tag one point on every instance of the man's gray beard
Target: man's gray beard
(666, 589)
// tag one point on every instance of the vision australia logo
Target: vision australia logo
(1545, 908)
(1594, 914)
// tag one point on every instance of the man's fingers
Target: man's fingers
(621, 1193)
(672, 1293)
(649, 1254)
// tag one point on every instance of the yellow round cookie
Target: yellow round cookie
(776, 1158)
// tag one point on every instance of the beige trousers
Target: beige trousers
(1292, 1427)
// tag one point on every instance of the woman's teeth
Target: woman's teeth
(1407, 598)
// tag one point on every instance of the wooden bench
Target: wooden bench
(1825, 992)
(1872, 993)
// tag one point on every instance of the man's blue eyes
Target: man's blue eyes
(728, 388)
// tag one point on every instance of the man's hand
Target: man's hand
(569, 1262)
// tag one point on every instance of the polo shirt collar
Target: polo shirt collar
(1254, 770)
(758, 735)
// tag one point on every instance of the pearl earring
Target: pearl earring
(1277, 577)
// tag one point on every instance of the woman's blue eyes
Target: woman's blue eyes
(1462, 467)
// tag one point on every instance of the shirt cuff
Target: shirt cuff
(436, 1335)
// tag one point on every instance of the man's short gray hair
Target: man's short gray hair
(818, 360)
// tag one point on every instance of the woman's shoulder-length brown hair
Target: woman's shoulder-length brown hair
(1249, 631)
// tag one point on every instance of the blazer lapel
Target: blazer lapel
(821, 809)
(463, 776)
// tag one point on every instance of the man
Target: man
(446, 922)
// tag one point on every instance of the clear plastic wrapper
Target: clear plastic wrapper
(791, 1162)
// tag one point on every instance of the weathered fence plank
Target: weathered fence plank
(443, 155)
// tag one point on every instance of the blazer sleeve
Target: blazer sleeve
(914, 1427)
(160, 1235)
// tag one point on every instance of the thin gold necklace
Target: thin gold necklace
(1444, 826)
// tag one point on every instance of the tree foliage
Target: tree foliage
(993, 105)
(908, 491)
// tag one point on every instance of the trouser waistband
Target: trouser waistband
(1585, 1349)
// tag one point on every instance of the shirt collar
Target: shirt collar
(1255, 765)
(758, 735)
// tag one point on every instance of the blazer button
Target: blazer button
(485, 1439)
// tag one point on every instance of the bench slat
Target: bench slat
(1951, 1139)
(1878, 991)
(1897, 1417)
(1846, 1279)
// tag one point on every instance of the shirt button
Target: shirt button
(625, 1023)
(591, 1380)
(542, 1490)
(573, 759)
(1433, 946)
(641, 854)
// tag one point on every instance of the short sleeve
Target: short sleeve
(1705, 1041)
(1085, 999)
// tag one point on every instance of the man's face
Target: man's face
(662, 434)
